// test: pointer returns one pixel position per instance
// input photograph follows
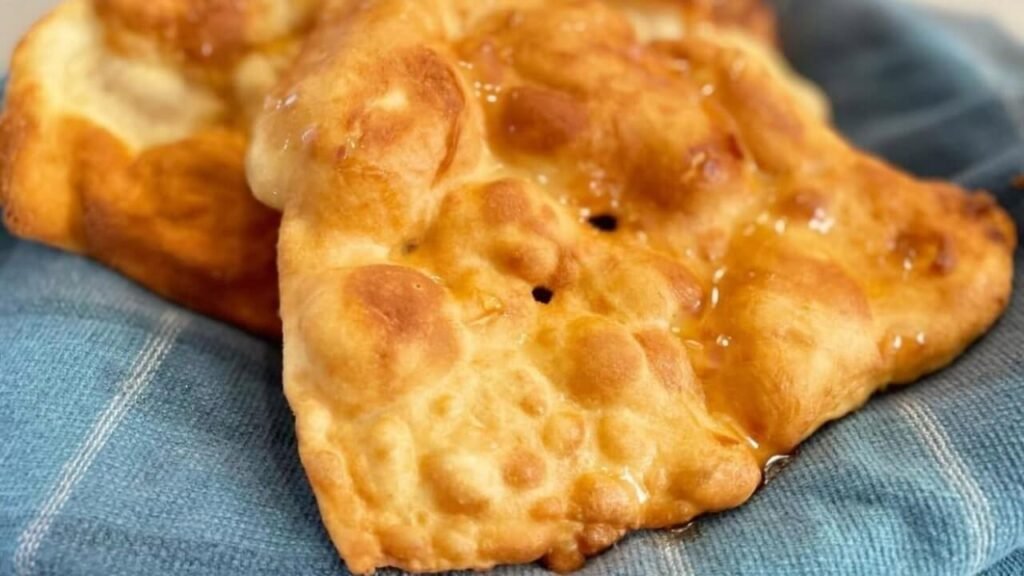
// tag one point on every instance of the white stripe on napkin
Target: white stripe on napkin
(144, 367)
(685, 567)
(976, 506)
(673, 552)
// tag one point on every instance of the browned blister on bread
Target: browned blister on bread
(557, 270)
(124, 134)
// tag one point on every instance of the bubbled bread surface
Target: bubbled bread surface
(550, 275)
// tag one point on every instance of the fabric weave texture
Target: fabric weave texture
(138, 438)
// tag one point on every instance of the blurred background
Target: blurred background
(17, 15)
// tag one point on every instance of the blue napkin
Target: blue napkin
(139, 438)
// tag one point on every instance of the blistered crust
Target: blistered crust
(124, 134)
(205, 31)
(549, 276)
(174, 78)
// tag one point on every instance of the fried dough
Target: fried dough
(124, 136)
(124, 133)
(557, 270)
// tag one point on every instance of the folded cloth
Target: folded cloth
(139, 438)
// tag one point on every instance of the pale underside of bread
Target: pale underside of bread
(484, 373)
(123, 137)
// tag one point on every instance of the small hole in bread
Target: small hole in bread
(604, 222)
(543, 294)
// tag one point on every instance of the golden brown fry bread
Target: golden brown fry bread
(553, 271)
(124, 137)
(124, 132)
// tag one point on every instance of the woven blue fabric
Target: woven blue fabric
(139, 438)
